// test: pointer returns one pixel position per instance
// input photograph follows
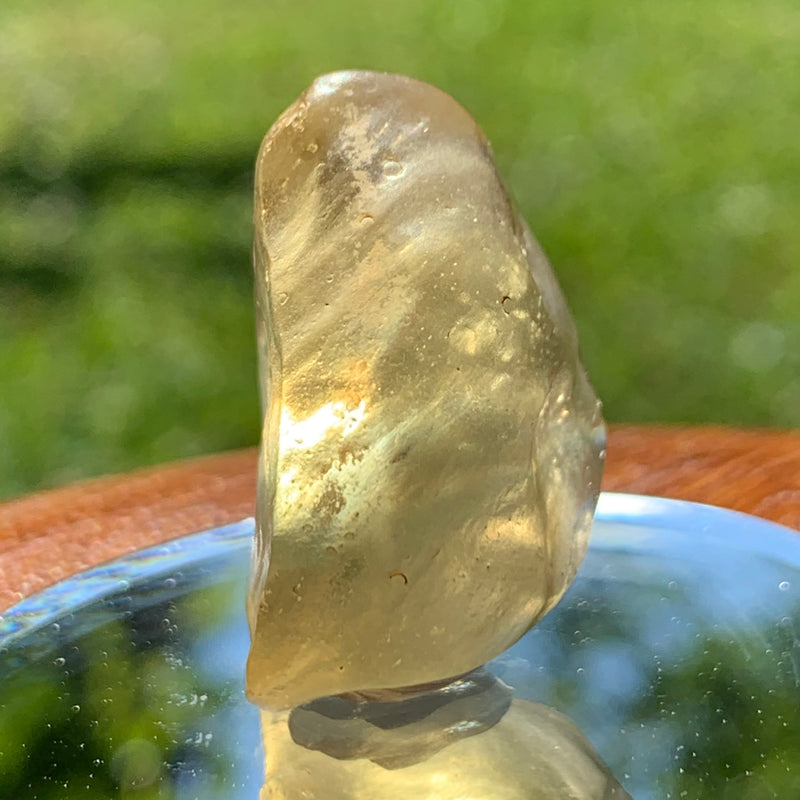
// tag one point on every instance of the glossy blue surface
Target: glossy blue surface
(676, 650)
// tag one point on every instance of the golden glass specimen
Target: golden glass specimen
(431, 450)
(480, 744)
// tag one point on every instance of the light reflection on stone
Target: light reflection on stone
(468, 739)
(431, 451)
(426, 415)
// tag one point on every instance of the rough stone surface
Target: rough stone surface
(432, 450)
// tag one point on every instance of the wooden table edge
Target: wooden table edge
(47, 536)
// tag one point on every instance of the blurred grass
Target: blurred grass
(652, 147)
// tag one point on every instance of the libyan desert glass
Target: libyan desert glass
(676, 652)
(431, 444)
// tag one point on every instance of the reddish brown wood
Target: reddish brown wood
(45, 537)
(757, 472)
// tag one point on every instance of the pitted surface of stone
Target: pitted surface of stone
(432, 449)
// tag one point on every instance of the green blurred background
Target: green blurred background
(653, 147)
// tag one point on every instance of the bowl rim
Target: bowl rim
(641, 516)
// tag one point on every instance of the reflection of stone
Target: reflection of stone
(474, 742)
(405, 729)
(431, 450)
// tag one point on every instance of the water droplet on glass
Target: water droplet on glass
(283, 298)
(784, 586)
(59, 662)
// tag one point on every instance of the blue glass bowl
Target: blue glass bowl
(676, 651)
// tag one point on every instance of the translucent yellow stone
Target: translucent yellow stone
(431, 450)
(530, 752)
